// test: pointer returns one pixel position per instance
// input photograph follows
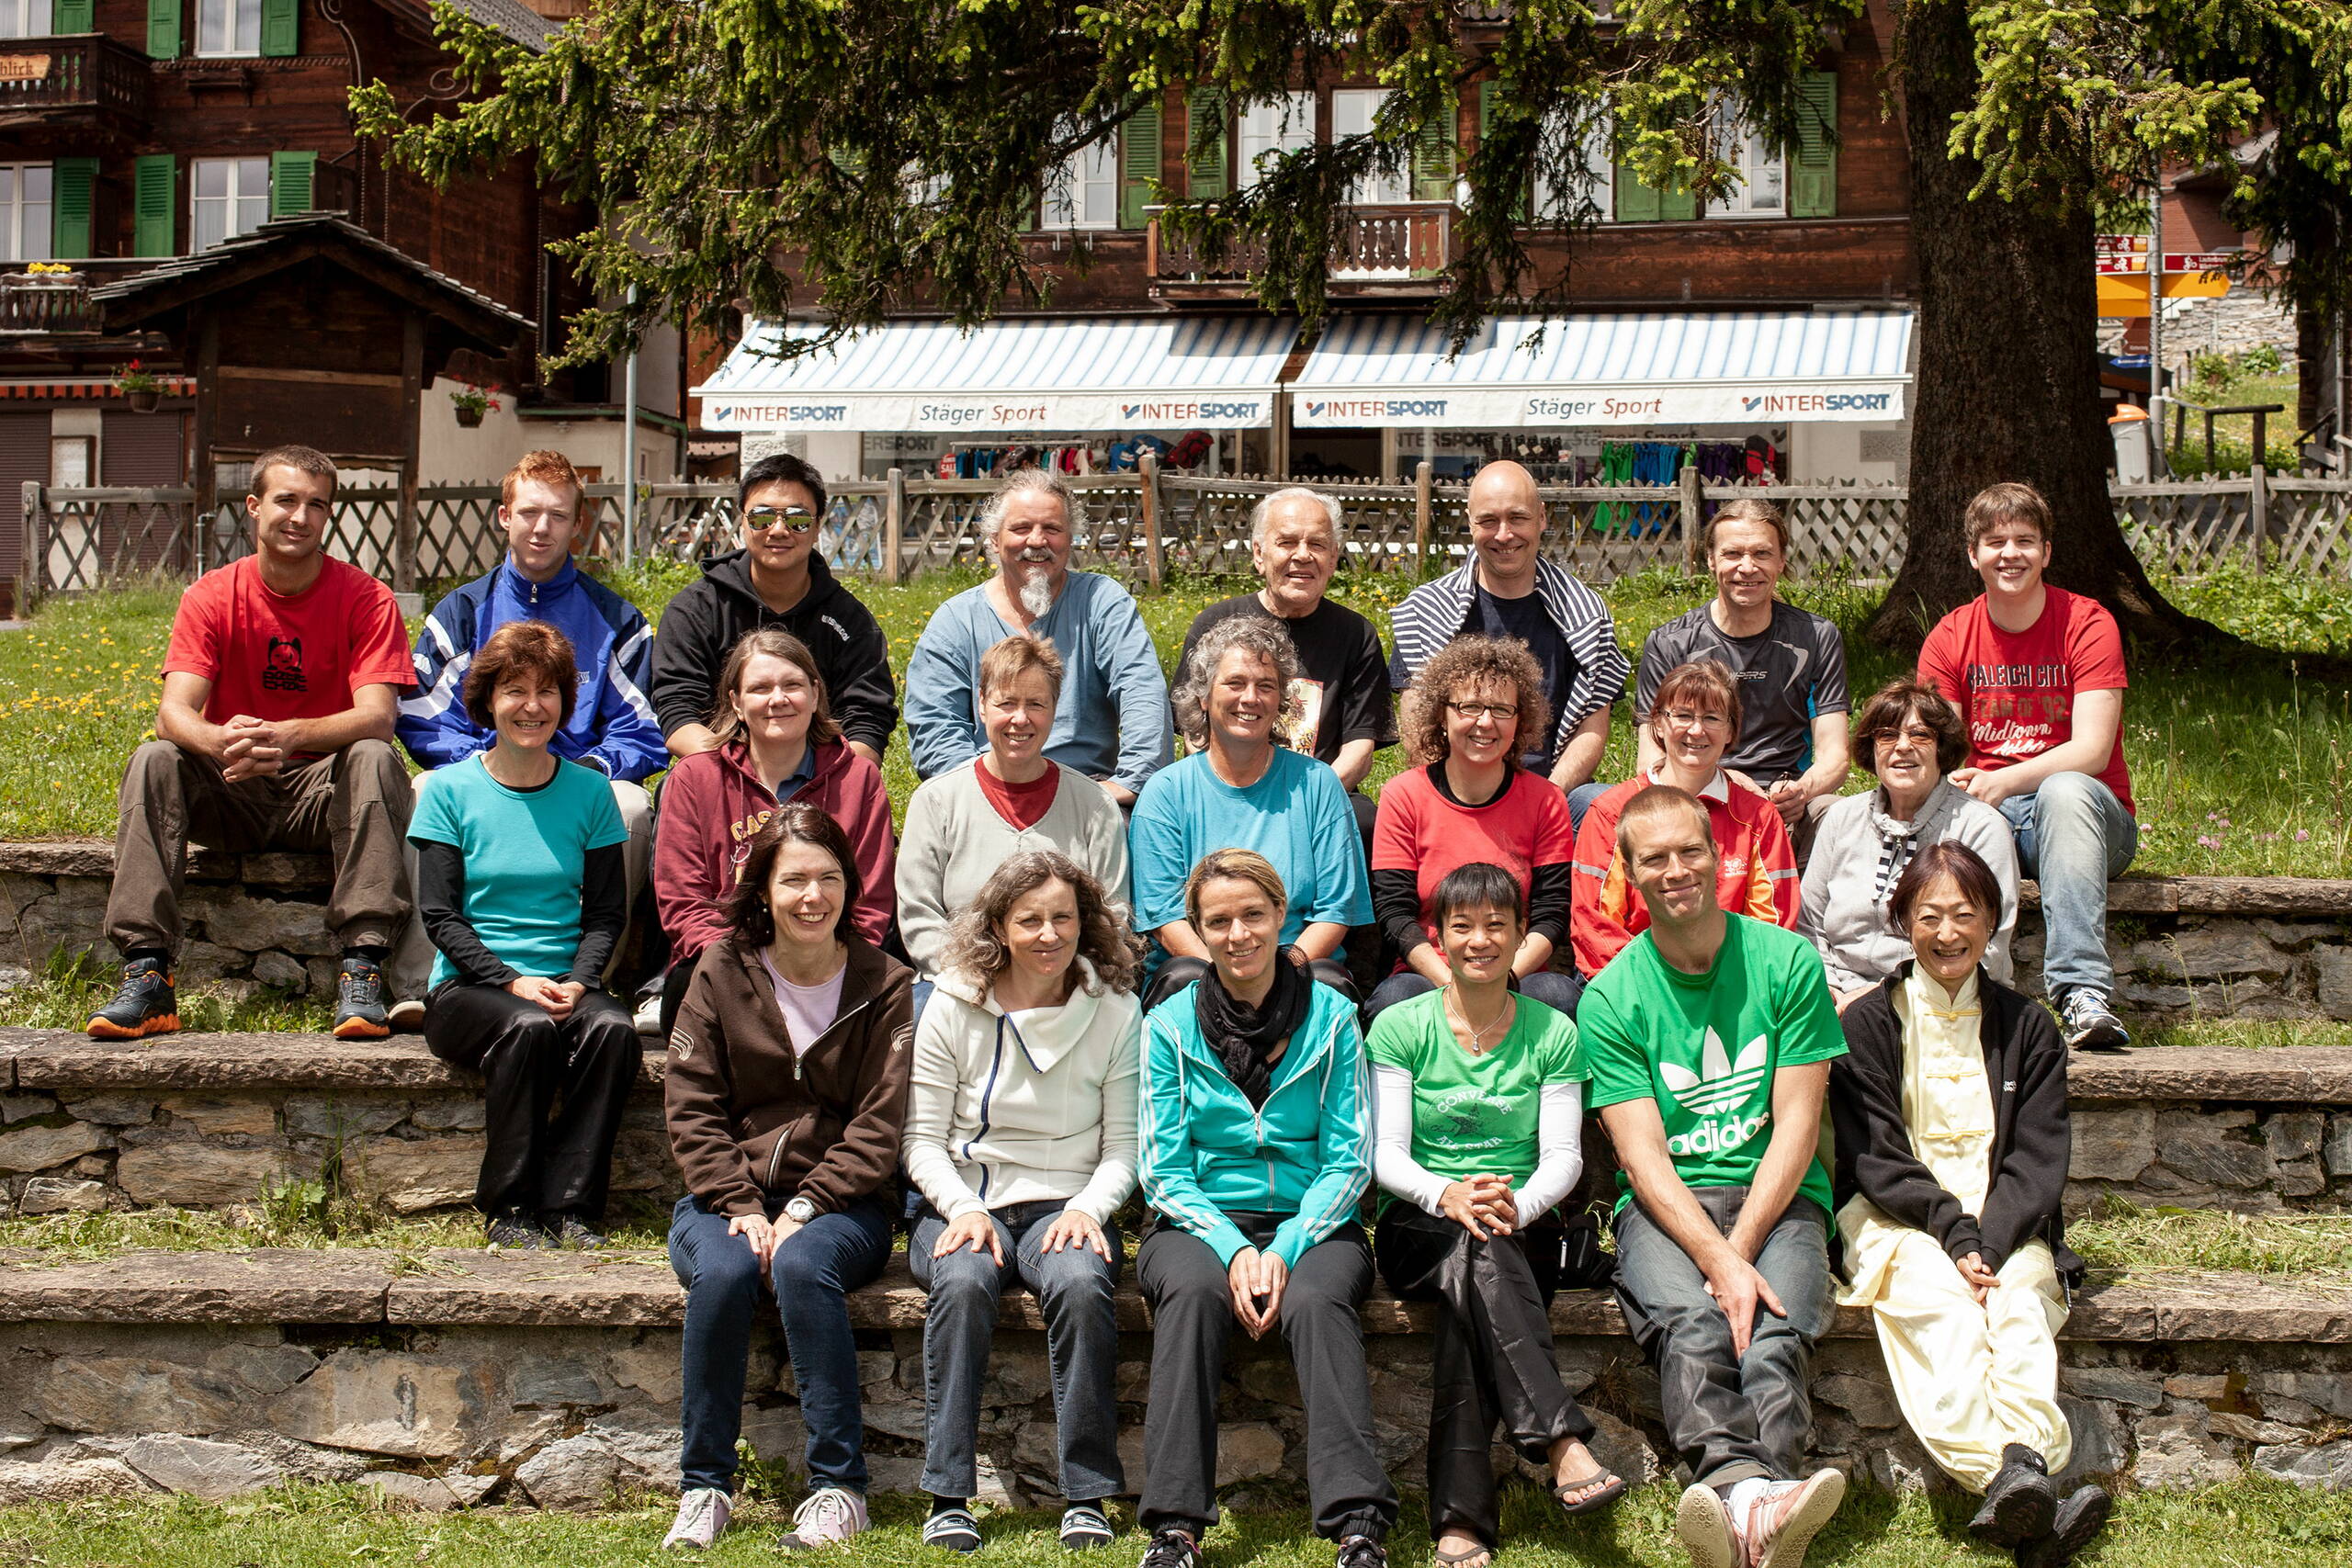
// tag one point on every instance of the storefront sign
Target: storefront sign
(1494, 408)
(1012, 415)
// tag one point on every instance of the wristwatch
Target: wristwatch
(800, 1211)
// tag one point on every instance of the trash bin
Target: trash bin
(2129, 427)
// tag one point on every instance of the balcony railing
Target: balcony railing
(81, 70)
(46, 303)
(1404, 243)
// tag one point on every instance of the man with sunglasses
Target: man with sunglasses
(778, 579)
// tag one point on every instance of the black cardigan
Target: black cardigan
(2031, 1140)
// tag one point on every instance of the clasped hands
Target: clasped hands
(555, 997)
(1482, 1205)
(253, 748)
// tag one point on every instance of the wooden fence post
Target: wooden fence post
(2258, 511)
(1423, 480)
(1693, 508)
(1149, 468)
(34, 569)
(894, 527)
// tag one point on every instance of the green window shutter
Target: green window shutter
(292, 179)
(1204, 164)
(75, 186)
(1813, 163)
(164, 29)
(1434, 159)
(281, 26)
(1139, 144)
(154, 204)
(1638, 203)
(1489, 92)
(75, 16)
(1678, 204)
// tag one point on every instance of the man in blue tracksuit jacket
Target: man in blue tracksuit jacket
(612, 727)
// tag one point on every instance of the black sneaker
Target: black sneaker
(2020, 1504)
(571, 1230)
(516, 1232)
(2088, 1025)
(359, 1012)
(2080, 1518)
(145, 1005)
(1084, 1528)
(952, 1529)
(1361, 1552)
(1172, 1548)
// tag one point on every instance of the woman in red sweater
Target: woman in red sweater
(1694, 719)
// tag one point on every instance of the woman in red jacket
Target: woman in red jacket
(777, 742)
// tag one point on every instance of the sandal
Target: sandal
(1457, 1559)
(1606, 1497)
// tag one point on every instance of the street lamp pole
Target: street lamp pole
(2162, 466)
(628, 446)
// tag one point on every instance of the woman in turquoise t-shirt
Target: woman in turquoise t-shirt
(521, 888)
(1480, 1106)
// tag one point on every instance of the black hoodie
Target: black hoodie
(708, 617)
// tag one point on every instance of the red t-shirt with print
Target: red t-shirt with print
(2016, 689)
(280, 656)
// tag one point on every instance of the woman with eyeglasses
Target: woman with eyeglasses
(1694, 719)
(1471, 713)
(778, 742)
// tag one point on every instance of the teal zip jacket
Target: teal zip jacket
(1208, 1152)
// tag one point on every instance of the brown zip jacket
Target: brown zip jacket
(749, 1125)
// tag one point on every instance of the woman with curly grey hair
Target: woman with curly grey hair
(1020, 1135)
(1237, 789)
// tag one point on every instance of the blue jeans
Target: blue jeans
(1558, 991)
(2072, 835)
(1073, 1286)
(1581, 800)
(814, 1271)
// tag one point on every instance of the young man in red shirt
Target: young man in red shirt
(275, 732)
(2038, 672)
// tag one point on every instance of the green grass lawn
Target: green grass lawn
(2246, 1523)
(2244, 770)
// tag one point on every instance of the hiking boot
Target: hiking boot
(360, 1013)
(2020, 1502)
(517, 1231)
(1172, 1548)
(829, 1517)
(145, 1005)
(1084, 1527)
(571, 1230)
(703, 1513)
(952, 1529)
(2079, 1520)
(2087, 1023)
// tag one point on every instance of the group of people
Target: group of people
(1232, 980)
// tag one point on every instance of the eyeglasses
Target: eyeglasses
(1683, 719)
(1501, 713)
(798, 519)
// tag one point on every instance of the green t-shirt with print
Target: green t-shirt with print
(1705, 1046)
(1476, 1115)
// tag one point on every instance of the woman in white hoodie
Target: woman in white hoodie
(1021, 1134)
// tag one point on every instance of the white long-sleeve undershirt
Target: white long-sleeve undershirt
(1559, 1146)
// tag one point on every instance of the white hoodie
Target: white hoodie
(1024, 1107)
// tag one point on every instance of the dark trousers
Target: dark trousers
(1494, 1357)
(354, 805)
(814, 1271)
(1192, 1322)
(553, 1094)
(1731, 1417)
(1178, 973)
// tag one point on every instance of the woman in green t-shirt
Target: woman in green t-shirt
(1479, 1107)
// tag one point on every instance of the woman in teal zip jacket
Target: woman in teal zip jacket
(1257, 1148)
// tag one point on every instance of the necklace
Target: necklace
(1477, 1036)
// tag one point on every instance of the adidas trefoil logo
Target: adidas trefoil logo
(1721, 1084)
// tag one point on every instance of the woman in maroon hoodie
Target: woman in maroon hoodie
(777, 742)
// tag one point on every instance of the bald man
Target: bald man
(1507, 589)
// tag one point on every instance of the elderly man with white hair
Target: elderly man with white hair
(1341, 706)
(1112, 723)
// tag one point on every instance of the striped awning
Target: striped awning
(78, 387)
(1664, 368)
(1026, 377)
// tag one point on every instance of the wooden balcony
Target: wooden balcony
(1390, 251)
(81, 81)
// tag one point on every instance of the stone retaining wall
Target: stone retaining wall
(555, 1381)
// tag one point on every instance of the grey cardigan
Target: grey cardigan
(1844, 909)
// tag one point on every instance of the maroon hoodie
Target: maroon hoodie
(712, 804)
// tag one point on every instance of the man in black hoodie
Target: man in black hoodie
(778, 578)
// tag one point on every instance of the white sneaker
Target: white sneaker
(1817, 1497)
(1703, 1526)
(648, 1017)
(703, 1513)
(407, 1015)
(829, 1517)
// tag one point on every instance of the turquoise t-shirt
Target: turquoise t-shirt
(527, 854)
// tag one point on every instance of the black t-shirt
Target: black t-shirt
(1789, 673)
(1524, 618)
(1342, 690)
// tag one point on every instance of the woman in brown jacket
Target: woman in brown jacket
(787, 1091)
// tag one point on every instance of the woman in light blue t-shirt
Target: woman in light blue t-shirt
(521, 888)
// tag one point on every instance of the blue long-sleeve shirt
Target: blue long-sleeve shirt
(612, 726)
(1113, 720)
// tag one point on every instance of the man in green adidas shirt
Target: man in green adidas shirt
(1709, 1039)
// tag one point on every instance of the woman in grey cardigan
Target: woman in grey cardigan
(1910, 738)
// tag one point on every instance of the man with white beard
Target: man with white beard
(1112, 723)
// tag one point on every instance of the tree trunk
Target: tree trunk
(2007, 383)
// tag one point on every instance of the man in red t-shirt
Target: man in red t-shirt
(2038, 673)
(275, 732)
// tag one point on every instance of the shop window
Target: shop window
(1286, 125)
(1085, 192)
(228, 28)
(232, 198)
(1353, 110)
(26, 194)
(25, 18)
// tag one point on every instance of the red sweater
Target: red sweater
(1757, 876)
(711, 806)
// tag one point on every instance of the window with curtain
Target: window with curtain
(1763, 188)
(1353, 109)
(231, 197)
(1284, 126)
(1571, 194)
(26, 191)
(1085, 192)
(26, 18)
(228, 26)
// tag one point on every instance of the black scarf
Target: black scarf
(1244, 1037)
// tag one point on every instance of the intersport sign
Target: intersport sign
(1480, 408)
(1006, 413)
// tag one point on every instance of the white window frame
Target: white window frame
(1743, 146)
(1083, 192)
(1556, 202)
(17, 207)
(237, 196)
(1349, 105)
(1285, 125)
(233, 13)
(28, 18)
